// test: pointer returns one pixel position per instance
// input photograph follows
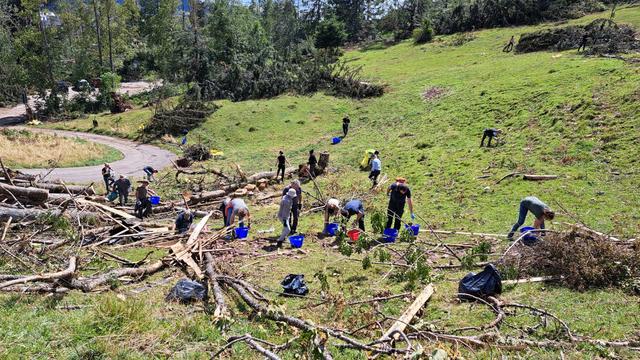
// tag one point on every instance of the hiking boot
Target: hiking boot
(279, 244)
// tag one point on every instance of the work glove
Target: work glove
(413, 216)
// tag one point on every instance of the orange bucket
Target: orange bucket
(354, 234)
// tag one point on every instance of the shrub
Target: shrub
(331, 33)
(424, 33)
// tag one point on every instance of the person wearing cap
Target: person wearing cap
(376, 167)
(332, 208)
(345, 125)
(149, 171)
(313, 162)
(237, 208)
(183, 221)
(286, 204)
(539, 209)
(143, 204)
(122, 186)
(354, 207)
(297, 206)
(399, 194)
(107, 176)
(282, 165)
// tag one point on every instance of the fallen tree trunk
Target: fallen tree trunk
(68, 272)
(60, 189)
(28, 195)
(32, 214)
(221, 307)
(90, 284)
(532, 177)
(267, 174)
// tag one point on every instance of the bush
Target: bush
(424, 33)
(331, 33)
(582, 259)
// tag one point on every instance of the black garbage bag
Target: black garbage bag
(486, 283)
(294, 284)
(186, 291)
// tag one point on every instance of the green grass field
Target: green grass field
(562, 113)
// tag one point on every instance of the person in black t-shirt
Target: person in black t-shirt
(313, 162)
(282, 164)
(345, 125)
(399, 194)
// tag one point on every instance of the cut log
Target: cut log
(74, 189)
(33, 214)
(408, 314)
(207, 196)
(26, 195)
(532, 177)
(267, 175)
(323, 162)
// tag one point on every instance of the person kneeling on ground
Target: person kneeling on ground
(237, 207)
(539, 209)
(286, 204)
(490, 133)
(143, 203)
(399, 194)
(330, 209)
(183, 222)
(354, 207)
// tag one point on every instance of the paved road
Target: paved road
(136, 156)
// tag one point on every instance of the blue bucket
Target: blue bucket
(389, 235)
(414, 229)
(155, 200)
(241, 232)
(529, 238)
(331, 229)
(296, 241)
(336, 140)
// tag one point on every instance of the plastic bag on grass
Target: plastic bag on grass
(186, 291)
(294, 284)
(485, 283)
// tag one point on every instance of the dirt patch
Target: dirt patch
(434, 93)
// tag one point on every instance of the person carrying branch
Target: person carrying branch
(331, 208)
(297, 206)
(538, 208)
(286, 204)
(143, 203)
(354, 207)
(183, 222)
(282, 165)
(399, 194)
(490, 133)
(376, 167)
(122, 186)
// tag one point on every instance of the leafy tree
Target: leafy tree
(423, 34)
(330, 34)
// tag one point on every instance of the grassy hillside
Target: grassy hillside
(562, 114)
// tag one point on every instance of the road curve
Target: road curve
(136, 156)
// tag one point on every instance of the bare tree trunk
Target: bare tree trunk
(97, 17)
(110, 36)
(29, 195)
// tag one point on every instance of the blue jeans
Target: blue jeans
(522, 216)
